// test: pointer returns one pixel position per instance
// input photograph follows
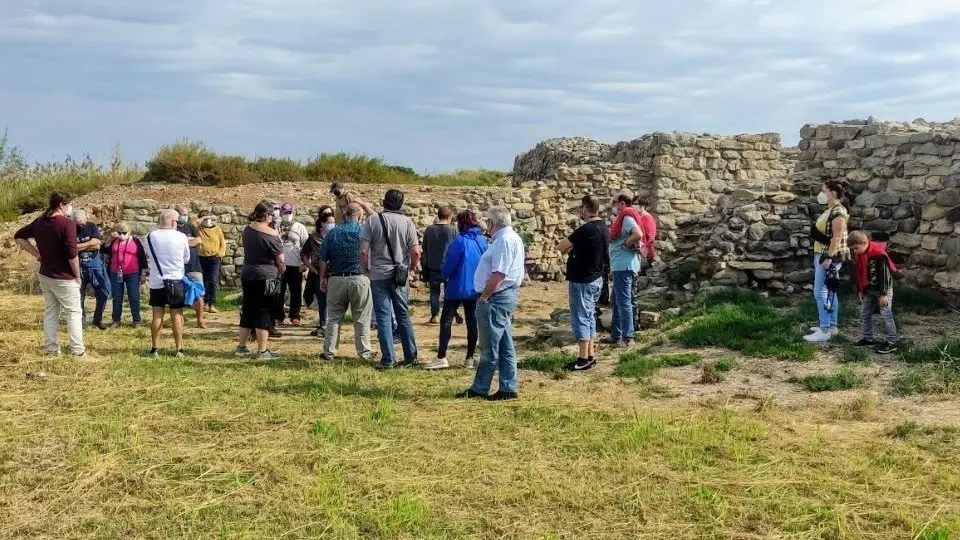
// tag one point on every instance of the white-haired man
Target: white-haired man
(92, 271)
(168, 253)
(496, 280)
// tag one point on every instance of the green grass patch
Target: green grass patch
(742, 321)
(726, 364)
(844, 379)
(638, 365)
(191, 162)
(919, 301)
(548, 362)
(229, 300)
(850, 353)
(944, 350)
(927, 379)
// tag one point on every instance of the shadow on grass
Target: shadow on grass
(328, 387)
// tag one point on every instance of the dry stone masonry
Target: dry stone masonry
(732, 210)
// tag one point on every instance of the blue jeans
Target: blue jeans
(820, 295)
(388, 298)
(99, 295)
(132, 284)
(496, 343)
(871, 303)
(621, 328)
(583, 303)
(210, 266)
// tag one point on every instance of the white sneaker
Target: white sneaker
(819, 336)
(439, 363)
(471, 363)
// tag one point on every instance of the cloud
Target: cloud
(441, 84)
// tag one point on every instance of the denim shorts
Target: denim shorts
(583, 303)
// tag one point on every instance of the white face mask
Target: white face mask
(69, 211)
(822, 198)
(616, 210)
(287, 218)
(208, 222)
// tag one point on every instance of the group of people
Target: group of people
(364, 261)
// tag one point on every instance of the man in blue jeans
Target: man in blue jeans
(389, 253)
(625, 237)
(92, 270)
(587, 251)
(496, 280)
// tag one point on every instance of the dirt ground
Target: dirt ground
(752, 382)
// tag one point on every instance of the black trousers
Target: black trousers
(446, 323)
(293, 279)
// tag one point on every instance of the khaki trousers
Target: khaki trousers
(352, 292)
(61, 296)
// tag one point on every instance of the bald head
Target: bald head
(168, 218)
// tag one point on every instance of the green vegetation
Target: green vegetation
(919, 301)
(844, 379)
(726, 364)
(190, 162)
(637, 365)
(26, 188)
(547, 362)
(853, 354)
(742, 321)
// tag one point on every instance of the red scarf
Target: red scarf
(873, 250)
(617, 226)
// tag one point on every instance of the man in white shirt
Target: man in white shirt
(496, 280)
(294, 235)
(168, 252)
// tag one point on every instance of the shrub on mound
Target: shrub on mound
(189, 162)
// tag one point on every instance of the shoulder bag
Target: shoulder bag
(400, 271)
(173, 289)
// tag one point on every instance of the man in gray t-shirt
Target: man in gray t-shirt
(376, 261)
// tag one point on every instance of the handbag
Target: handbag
(271, 288)
(173, 288)
(400, 271)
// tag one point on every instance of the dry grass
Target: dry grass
(211, 446)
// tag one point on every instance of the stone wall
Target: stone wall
(905, 181)
(537, 217)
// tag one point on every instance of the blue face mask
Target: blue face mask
(329, 226)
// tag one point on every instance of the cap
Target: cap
(286, 208)
(335, 186)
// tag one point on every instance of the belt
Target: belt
(345, 274)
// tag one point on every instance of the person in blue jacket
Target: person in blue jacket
(460, 263)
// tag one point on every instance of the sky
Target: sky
(444, 84)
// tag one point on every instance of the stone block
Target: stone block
(908, 225)
(931, 243)
(948, 280)
(906, 240)
(953, 214)
(949, 197)
(750, 265)
(941, 226)
(142, 204)
(647, 320)
(933, 212)
(900, 184)
(915, 170)
(886, 225)
(730, 277)
(887, 198)
(801, 276)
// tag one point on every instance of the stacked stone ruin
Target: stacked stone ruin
(732, 211)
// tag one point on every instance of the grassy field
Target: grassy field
(215, 447)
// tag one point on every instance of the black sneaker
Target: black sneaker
(408, 363)
(275, 334)
(470, 394)
(101, 326)
(866, 343)
(503, 396)
(886, 348)
(581, 364)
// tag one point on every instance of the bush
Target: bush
(844, 379)
(638, 365)
(742, 321)
(191, 162)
